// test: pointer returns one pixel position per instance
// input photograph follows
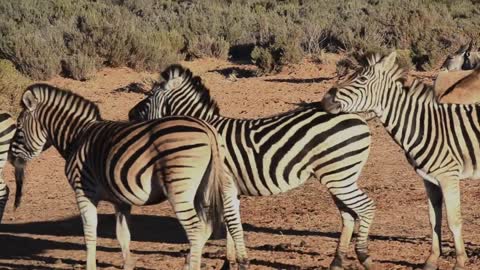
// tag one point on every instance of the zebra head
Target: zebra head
(30, 137)
(363, 91)
(156, 105)
(179, 94)
(460, 60)
(29, 141)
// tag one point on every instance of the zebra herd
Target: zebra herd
(177, 146)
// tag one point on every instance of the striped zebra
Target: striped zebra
(7, 130)
(441, 141)
(272, 155)
(179, 159)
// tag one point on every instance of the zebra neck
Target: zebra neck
(65, 133)
(406, 112)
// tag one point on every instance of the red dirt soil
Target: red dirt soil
(295, 230)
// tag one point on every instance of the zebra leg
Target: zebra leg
(435, 199)
(451, 193)
(348, 225)
(361, 206)
(88, 212)
(4, 191)
(197, 233)
(234, 227)
(231, 253)
(122, 215)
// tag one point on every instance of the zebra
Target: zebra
(462, 59)
(179, 159)
(441, 141)
(7, 130)
(271, 155)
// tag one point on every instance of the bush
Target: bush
(43, 38)
(79, 67)
(12, 85)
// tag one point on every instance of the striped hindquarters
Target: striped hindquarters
(7, 130)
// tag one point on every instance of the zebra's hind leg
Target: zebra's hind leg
(361, 206)
(348, 225)
(122, 216)
(4, 191)
(197, 232)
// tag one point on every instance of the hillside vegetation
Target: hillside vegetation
(74, 38)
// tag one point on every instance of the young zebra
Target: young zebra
(7, 130)
(441, 141)
(272, 155)
(178, 159)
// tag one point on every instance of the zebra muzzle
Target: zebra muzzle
(329, 104)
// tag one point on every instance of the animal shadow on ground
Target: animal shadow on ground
(307, 80)
(134, 87)
(144, 228)
(239, 73)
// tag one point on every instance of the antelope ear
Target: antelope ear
(29, 100)
(389, 61)
(469, 48)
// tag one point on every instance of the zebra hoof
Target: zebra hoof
(368, 263)
(430, 266)
(337, 263)
(243, 266)
(227, 265)
(129, 265)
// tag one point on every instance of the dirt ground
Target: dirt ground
(295, 230)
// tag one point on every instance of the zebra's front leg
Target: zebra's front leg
(451, 193)
(231, 261)
(88, 212)
(236, 248)
(435, 199)
(122, 215)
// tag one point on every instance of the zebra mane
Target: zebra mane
(43, 92)
(179, 78)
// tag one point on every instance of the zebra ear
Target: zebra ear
(29, 100)
(389, 61)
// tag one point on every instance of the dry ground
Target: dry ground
(295, 230)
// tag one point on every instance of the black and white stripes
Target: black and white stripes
(7, 130)
(179, 159)
(272, 155)
(441, 141)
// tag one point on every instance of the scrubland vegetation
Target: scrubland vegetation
(74, 38)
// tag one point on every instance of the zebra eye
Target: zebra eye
(362, 79)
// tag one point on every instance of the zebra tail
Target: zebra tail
(19, 177)
(208, 200)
